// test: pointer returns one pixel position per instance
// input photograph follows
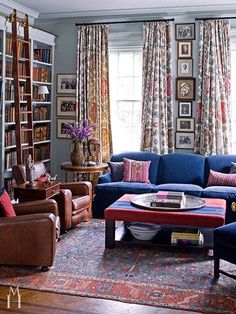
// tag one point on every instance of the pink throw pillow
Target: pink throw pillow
(218, 178)
(136, 171)
(5, 204)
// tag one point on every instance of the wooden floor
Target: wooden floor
(36, 302)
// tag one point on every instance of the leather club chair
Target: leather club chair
(74, 200)
(29, 238)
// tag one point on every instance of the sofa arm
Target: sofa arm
(104, 178)
(36, 207)
(28, 240)
(64, 202)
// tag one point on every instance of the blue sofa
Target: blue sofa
(173, 172)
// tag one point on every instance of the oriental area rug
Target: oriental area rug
(176, 278)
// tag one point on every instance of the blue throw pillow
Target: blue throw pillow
(117, 170)
(233, 167)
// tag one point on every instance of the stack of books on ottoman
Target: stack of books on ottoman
(169, 199)
(187, 236)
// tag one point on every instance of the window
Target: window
(233, 91)
(125, 71)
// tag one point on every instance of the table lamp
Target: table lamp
(43, 90)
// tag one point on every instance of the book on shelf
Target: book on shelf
(173, 203)
(185, 233)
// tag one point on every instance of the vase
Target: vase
(77, 155)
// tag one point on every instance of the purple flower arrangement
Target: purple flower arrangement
(81, 133)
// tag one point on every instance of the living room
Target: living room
(160, 102)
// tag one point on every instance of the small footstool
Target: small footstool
(224, 248)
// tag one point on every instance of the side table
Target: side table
(40, 191)
(89, 173)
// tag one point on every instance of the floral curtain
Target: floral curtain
(157, 116)
(213, 124)
(93, 83)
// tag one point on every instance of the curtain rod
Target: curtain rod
(124, 22)
(215, 18)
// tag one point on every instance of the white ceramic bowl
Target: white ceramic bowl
(143, 231)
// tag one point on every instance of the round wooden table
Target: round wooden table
(89, 173)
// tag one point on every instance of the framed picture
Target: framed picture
(66, 106)
(185, 49)
(185, 67)
(184, 140)
(185, 89)
(60, 125)
(66, 83)
(185, 31)
(185, 109)
(185, 124)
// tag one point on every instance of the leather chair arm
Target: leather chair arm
(78, 188)
(41, 206)
(64, 202)
(28, 240)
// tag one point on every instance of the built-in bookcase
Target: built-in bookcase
(42, 54)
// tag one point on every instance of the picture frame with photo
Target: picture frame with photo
(185, 124)
(60, 125)
(185, 67)
(185, 31)
(185, 109)
(185, 88)
(184, 140)
(185, 49)
(66, 83)
(66, 106)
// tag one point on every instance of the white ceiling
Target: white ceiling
(71, 8)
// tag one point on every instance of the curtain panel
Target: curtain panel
(93, 83)
(213, 123)
(157, 115)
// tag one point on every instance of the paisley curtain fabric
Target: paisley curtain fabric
(213, 124)
(93, 83)
(157, 116)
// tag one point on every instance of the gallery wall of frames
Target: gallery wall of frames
(185, 85)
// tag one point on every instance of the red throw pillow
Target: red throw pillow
(218, 178)
(136, 170)
(6, 205)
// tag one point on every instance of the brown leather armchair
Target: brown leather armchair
(29, 238)
(74, 200)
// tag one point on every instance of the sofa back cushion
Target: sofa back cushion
(181, 168)
(142, 156)
(219, 163)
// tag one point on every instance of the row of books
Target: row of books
(9, 185)
(41, 74)
(10, 159)
(10, 114)
(187, 236)
(169, 199)
(43, 55)
(42, 152)
(10, 137)
(41, 113)
(9, 69)
(41, 133)
(21, 49)
(9, 91)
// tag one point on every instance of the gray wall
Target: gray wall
(65, 62)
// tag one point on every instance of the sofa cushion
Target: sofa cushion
(190, 189)
(181, 168)
(117, 170)
(136, 170)
(219, 178)
(6, 207)
(226, 192)
(144, 156)
(125, 188)
(233, 167)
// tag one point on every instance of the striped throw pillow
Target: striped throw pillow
(218, 178)
(136, 171)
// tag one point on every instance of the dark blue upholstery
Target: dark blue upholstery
(181, 168)
(174, 172)
(190, 189)
(224, 247)
(144, 156)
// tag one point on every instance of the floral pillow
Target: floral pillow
(136, 171)
(218, 178)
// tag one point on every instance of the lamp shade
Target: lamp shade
(43, 90)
